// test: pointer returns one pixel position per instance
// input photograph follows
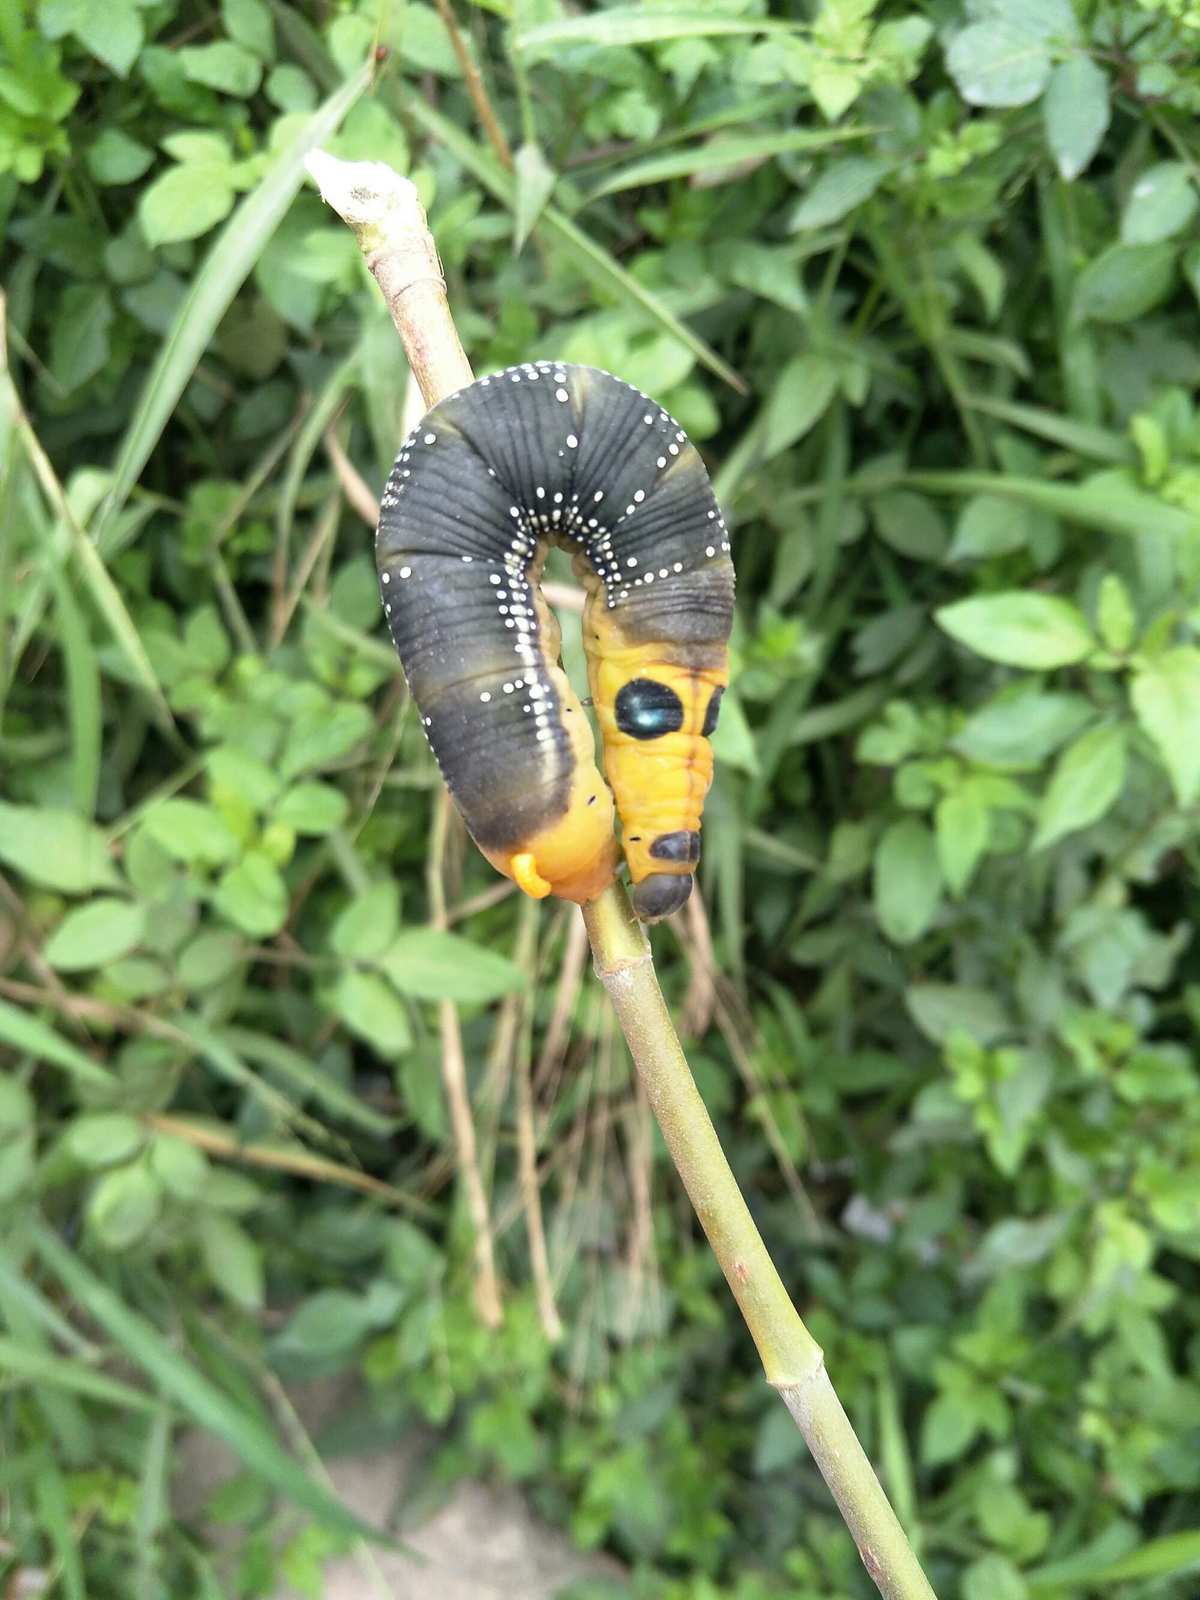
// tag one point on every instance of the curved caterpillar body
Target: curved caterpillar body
(549, 453)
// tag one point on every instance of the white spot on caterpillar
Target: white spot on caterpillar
(709, 550)
(468, 558)
(661, 462)
(560, 394)
(598, 496)
(540, 492)
(387, 577)
(663, 572)
(508, 688)
(679, 566)
(493, 577)
(485, 697)
(406, 572)
(631, 561)
(430, 438)
(648, 418)
(673, 449)
(572, 442)
(639, 496)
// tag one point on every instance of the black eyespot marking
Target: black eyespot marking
(681, 846)
(661, 893)
(646, 709)
(710, 716)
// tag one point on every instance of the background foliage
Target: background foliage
(920, 277)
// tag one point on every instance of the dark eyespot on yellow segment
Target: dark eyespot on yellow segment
(553, 454)
(709, 726)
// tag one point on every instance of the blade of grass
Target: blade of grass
(215, 1050)
(759, 108)
(207, 1405)
(591, 257)
(54, 1514)
(35, 1038)
(291, 1064)
(225, 269)
(1083, 438)
(725, 153)
(626, 25)
(40, 1367)
(83, 695)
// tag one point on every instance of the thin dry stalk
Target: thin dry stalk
(531, 1194)
(353, 485)
(476, 88)
(322, 535)
(488, 1302)
(570, 975)
(640, 1251)
(695, 1014)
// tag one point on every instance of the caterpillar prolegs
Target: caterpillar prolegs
(554, 454)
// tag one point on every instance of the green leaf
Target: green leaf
(1115, 616)
(1166, 699)
(222, 65)
(841, 188)
(253, 896)
(224, 271)
(111, 32)
(124, 1206)
(249, 23)
(998, 63)
(535, 180)
(22, 1031)
(799, 399)
(371, 1009)
(186, 201)
(209, 958)
(104, 1138)
(91, 935)
(725, 154)
(369, 923)
(910, 523)
(1019, 628)
(1125, 282)
(1018, 731)
(989, 526)
(1087, 779)
(1161, 204)
(37, 1367)
(1076, 112)
(943, 1009)
(312, 807)
(191, 831)
(908, 881)
(993, 1577)
(233, 1260)
(114, 157)
(55, 849)
(431, 965)
(629, 25)
(963, 828)
(207, 1405)
(79, 342)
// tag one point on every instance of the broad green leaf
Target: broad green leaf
(1019, 731)
(908, 881)
(1115, 616)
(371, 1009)
(206, 1404)
(963, 827)
(222, 65)
(312, 807)
(801, 395)
(92, 935)
(1019, 628)
(55, 849)
(22, 1031)
(629, 25)
(186, 202)
(191, 831)
(1173, 1554)
(253, 896)
(993, 1577)
(989, 526)
(718, 155)
(1125, 282)
(111, 32)
(249, 23)
(103, 1138)
(79, 342)
(943, 1009)
(1076, 113)
(1166, 698)
(210, 958)
(998, 63)
(841, 188)
(116, 157)
(1161, 204)
(431, 965)
(911, 524)
(233, 1259)
(1087, 779)
(369, 923)
(213, 287)
(124, 1206)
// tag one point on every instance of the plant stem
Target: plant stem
(389, 223)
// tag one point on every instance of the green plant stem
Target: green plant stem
(389, 223)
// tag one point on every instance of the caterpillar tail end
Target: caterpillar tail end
(660, 894)
(527, 877)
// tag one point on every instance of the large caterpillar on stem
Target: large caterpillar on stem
(545, 454)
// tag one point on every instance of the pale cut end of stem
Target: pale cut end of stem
(365, 194)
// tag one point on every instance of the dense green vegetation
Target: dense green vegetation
(921, 278)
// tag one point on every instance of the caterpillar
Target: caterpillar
(550, 453)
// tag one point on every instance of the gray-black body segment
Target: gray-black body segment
(543, 453)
